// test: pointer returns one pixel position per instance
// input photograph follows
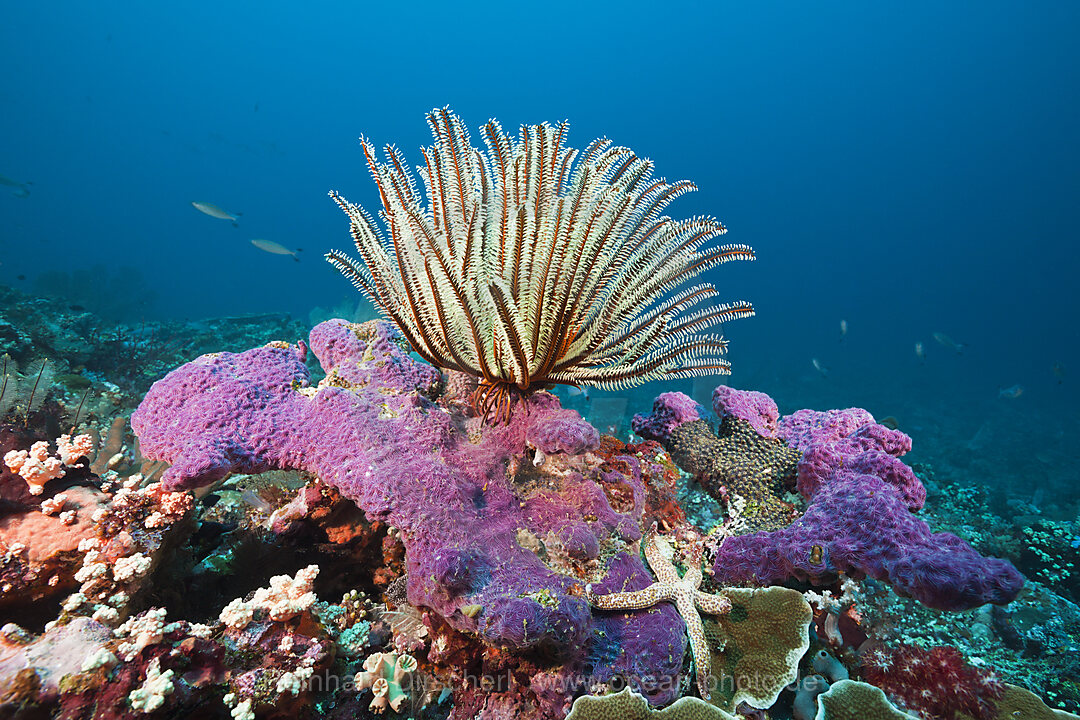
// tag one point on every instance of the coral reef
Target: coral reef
(464, 523)
(683, 591)
(858, 518)
(628, 705)
(757, 646)
(37, 467)
(853, 700)
(386, 675)
(464, 557)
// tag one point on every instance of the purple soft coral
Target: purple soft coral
(756, 408)
(670, 410)
(371, 430)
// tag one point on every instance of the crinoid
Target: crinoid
(534, 264)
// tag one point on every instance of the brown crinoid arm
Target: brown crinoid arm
(494, 401)
(528, 263)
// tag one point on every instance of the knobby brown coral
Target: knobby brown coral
(533, 264)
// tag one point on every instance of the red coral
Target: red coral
(658, 478)
(938, 683)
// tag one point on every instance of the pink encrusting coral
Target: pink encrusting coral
(372, 431)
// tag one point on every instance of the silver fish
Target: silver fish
(1011, 392)
(276, 248)
(843, 329)
(20, 189)
(920, 351)
(948, 342)
(574, 391)
(215, 212)
(819, 367)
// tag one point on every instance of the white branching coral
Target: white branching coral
(141, 631)
(151, 695)
(130, 567)
(533, 263)
(286, 597)
(36, 467)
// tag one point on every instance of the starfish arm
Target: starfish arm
(712, 604)
(661, 566)
(634, 600)
(693, 576)
(698, 646)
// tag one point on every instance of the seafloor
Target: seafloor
(272, 594)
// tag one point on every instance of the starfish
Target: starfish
(683, 591)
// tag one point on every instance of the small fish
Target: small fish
(890, 422)
(256, 501)
(843, 329)
(948, 342)
(819, 367)
(1059, 372)
(920, 351)
(20, 189)
(8, 182)
(1011, 392)
(276, 248)
(215, 212)
(574, 391)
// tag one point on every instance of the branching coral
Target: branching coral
(37, 467)
(534, 263)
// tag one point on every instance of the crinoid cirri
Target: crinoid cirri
(531, 264)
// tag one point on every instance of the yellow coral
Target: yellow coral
(757, 646)
(629, 705)
(1019, 704)
(853, 700)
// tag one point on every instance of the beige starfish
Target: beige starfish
(683, 591)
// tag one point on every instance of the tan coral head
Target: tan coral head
(380, 688)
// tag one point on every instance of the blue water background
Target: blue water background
(910, 168)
